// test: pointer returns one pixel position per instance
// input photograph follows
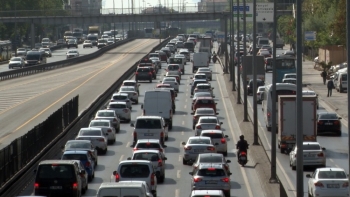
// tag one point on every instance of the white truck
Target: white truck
(159, 103)
(179, 61)
(199, 60)
(287, 123)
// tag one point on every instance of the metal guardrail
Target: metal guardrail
(59, 64)
(26, 174)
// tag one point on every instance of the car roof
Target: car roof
(100, 121)
(331, 169)
(207, 192)
(311, 143)
(204, 109)
(198, 137)
(203, 84)
(211, 154)
(70, 152)
(81, 141)
(208, 117)
(120, 93)
(55, 161)
(131, 184)
(105, 110)
(147, 151)
(118, 102)
(202, 98)
(210, 165)
(148, 140)
(128, 87)
(212, 131)
(322, 113)
(149, 117)
(135, 161)
(199, 74)
(90, 128)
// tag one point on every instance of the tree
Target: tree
(339, 24)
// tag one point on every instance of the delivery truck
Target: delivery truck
(287, 121)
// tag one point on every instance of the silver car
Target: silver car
(199, 76)
(174, 68)
(95, 135)
(217, 137)
(201, 193)
(207, 72)
(311, 93)
(131, 91)
(121, 97)
(196, 145)
(16, 62)
(109, 115)
(204, 87)
(47, 52)
(156, 61)
(121, 109)
(213, 158)
(202, 112)
(154, 156)
(81, 145)
(172, 82)
(211, 177)
(259, 94)
(207, 123)
(313, 155)
(107, 128)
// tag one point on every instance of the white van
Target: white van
(263, 41)
(149, 127)
(199, 60)
(123, 189)
(159, 103)
(340, 79)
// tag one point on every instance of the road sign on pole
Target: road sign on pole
(264, 11)
(310, 35)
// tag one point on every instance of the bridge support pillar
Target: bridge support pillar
(32, 35)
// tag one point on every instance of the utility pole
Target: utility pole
(238, 52)
(255, 107)
(15, 40)
(348, 55)
(231, 31)
(245, 102)
(114, 22)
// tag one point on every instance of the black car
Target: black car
(144, 73)
(72, 43)
(259, 82)
(328, 122)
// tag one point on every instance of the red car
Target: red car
(204, 102)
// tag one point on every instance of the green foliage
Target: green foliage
(325, 66)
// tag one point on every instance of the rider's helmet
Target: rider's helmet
(241, 137)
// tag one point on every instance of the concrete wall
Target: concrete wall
(335, 54)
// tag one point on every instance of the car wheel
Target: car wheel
(170, 126)
(161, 178)
(184, 162)
(137, 102)
(228, 194)
(150, 80)
(83, 190)
(294, 167)
(105, 151)
(166, 138)
(225, 153)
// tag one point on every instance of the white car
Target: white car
(200, 193)
(154, 156)
(195, 146)
(72, 53)
(96, 136)
(156, 61)
(290, 75)
(108, 115)
(131, 91)
(172, 82)
(199, 76)
(17, 62)
(110, 41)
(313, 155)
(207, 123)
(328, 182)
(107, 128)
(217, 137)
(121, 109)
(207, 72)
(259, 94)
(87, 43)
(121, 97)
(204, 87)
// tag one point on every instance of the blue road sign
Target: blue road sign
(310, 35)
(240, 8)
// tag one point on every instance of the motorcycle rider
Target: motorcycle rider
(242, 145)
(214, 57)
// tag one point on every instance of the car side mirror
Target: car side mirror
(339, 118)
(82, 172)
(114, 173)
(229, 173)
(217, 113)
(192, 113)
(129, 158)
(191, 77)
(216, 144)
(165, 158)
(183, 143)
(323, 148)
(132, 125)
(221, 123)
(212, 88)
(160, 81)
(190, 84)
(228, 161)
(216, 103)
(308, 176)
(106, 133)
(164, 75)
(226, 136)
(190, 173)
(142, 106)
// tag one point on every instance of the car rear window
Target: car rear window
(148, 145)
(71, 145)
(203, 87)
(213, 135)
(311, 147)
(99, 124)
(105, 114)
(143, 69)
(332, 175)
(206, 111)
(200, 76)
(328, 116)
(74, 157)
(208, 120)
(90, 133)
(199, 141)
(134, 171)
(211, 172)
(56, 171)
(173, 67)
(210, 159)
(148, 124)
(146, 156)
(120, 97)
(117, 106)
(205, 101)
(129, 84)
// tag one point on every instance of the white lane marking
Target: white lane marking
(182, 133)
(177, 193)
(250, 193)
(121, 158)
(127, 144)
(186, 94)
(187, 90)
(180, 157)
(334, 163)
(185, 106)
(186, 100)
(183, 122)
(178, 175)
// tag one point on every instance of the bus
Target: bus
(148, 32)
(284, 64)
(281, 89)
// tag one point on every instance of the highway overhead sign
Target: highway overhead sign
(264, 12)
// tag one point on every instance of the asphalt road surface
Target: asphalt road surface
(244, 181)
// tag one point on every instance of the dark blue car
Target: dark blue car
(85, 157)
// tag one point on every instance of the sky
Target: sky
(146, 3)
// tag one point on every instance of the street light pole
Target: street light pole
(114, 22)
(238, 52)
(15, 40)
(245, 99)
(348, 56)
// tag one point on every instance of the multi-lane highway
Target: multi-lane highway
(58, 55)
(244, 181)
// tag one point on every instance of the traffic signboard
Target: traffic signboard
(310, 35)
(264, 12)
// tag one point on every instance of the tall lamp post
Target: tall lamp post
(15, 41)
(113, 22)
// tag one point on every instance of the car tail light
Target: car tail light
(109, 130)
(36, 185)
(114, 120)
(345, 184)
(135, 134)
(160, 163)
(337, 122)
(226, 180)
(243, 153)
(223, 140)
(319, 184)
(125, 110)
(136, 73)
(162, 134)
(150, 73)
(197, 180)
(199, 127)
(87, 164)
(211, 169)
(160, 150)
(187, 147)
(217, 127)
(75, 185)
(144, 112)
(101, 139)
(320, 122)
(211, 148)
(135, 149)
(117, 177)
(320, 154)
(152, 179)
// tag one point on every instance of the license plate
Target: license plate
(243, 158)
(56, 187)
(148, 134)
(333, 185)
(309, 155)
(211, 182)
(328, 123)
(198, 150)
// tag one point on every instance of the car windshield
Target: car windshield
(105, 114)
(148, 145)
(208, 120)
(117, 106)
(134, 171)
(126, 89)
(332, 175)
(328, 116)
(199, 141)
(210, 159)
(148, 124)
(99, 124)
(71, 145)
(74, 157)
(311, 147)
(16, 59)
(55, 171)
(211, 172)
(146, 156)
(129, 83)
(90, 133)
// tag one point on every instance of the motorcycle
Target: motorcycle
(242, 158)
(214, 59)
